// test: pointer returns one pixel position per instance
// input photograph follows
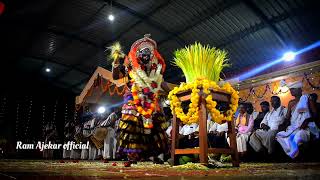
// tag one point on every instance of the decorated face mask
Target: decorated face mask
(143, 51)
(145, 55)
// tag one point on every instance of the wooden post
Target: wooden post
(233, 144)
(174, 139)
(203, 138)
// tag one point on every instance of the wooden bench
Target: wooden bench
(203, 149)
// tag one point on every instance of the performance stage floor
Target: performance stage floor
(42, 169)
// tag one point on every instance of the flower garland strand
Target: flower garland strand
(252, 91)
(192, 115)
(145, 110)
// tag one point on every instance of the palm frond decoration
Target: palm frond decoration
(198, 61)
(116, 51)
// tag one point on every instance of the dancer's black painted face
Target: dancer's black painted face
(145, 55)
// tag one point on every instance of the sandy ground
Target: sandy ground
(42, 169)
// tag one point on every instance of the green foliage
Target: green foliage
(198, 61)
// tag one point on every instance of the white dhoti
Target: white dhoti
(85, 153)
(242, 140)
(75, 154)
(263, 139)
(294, 136)
(110, 145)
(48, 153)
(93, 152)
(88, 128)
(290, 141)
(66, 154)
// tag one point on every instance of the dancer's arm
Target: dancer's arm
(118, 70)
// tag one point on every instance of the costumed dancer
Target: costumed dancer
(141, 134)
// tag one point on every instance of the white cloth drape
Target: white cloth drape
(294, 136)
(109, 149)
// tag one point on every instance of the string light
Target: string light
(282, 90)
(17, 120)
(54, 114)
(43, 117)
(28, 118)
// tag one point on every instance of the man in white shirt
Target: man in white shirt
(68, 127)
(110, 141)
(265, 137)
(298, 124)
(169, 129)
(217, 135)
(188, 136)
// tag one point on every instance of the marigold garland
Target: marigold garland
(145, 111)
(193, 112)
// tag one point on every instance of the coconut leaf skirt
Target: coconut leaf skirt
(134, 138)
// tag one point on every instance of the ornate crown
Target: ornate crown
(145, 42)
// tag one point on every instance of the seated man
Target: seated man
(110, 141)
(188, 136)
(244, 125)
(169, 129)
(251, 111)
(217, 138)
(295, 129)
(314, 98)
(217, 135)
(265, 137)
(265, 107)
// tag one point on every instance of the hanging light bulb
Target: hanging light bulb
(111, 17)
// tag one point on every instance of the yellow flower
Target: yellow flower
(192, 115)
